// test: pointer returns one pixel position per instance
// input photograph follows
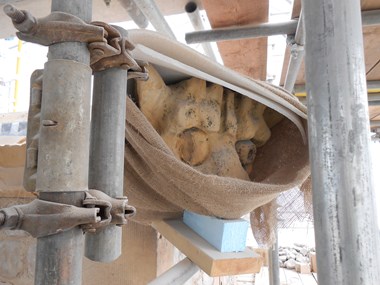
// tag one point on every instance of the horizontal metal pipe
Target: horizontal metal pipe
(263, 30)
(373, 89)
(152, 12)
(374, 103)
(370, 18)
(243, 32)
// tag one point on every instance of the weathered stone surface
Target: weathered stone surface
(5, 283)
(11, 264)
(209, 127)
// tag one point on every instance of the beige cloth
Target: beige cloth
(161, 186)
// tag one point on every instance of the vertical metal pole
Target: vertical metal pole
(107, 155)
(274, 268)
(344, 212)
(62, 173)
(192, 11)
(297, 53)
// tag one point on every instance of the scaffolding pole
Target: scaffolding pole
(107, 154)
(370, 18)
(347, 237)
(62, 174)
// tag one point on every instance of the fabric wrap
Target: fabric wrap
(160, 186)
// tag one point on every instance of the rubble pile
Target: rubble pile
(298, 257)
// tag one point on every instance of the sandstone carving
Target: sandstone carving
(209, 127)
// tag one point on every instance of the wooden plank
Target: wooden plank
(224, 235)
(199, 251)
(248, 56)
(374, 73)
(374, 112)
(371, 40)
(370, 4)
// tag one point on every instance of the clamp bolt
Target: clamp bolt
(16, 15)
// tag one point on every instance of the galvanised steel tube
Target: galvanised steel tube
(192, 11)
(296, 56)
(243, 32)
(152, 12)
(62, 173)
(107, 155)
(263, 30)
(274, 267)
(347, 237)
(135, 13)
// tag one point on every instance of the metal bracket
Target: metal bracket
(295, 47)
(106, 45)
(55, 28)
(120, 210)
(42, 218)
(113, 51)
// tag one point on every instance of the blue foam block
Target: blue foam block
(224, 235)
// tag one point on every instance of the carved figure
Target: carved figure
(211, 128)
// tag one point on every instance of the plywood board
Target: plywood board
(374, 112)
(199, 251)
(248, 56)
(374, 73)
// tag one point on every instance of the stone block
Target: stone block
(303, 268)
(313, 261)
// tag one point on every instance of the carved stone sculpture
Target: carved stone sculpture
(211, 128)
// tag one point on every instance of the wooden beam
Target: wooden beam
(199, 251)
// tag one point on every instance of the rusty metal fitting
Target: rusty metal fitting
(104, 207)
(56, 28)
(120, 210)
(42, 218)
(16, 15)
(113, 51)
